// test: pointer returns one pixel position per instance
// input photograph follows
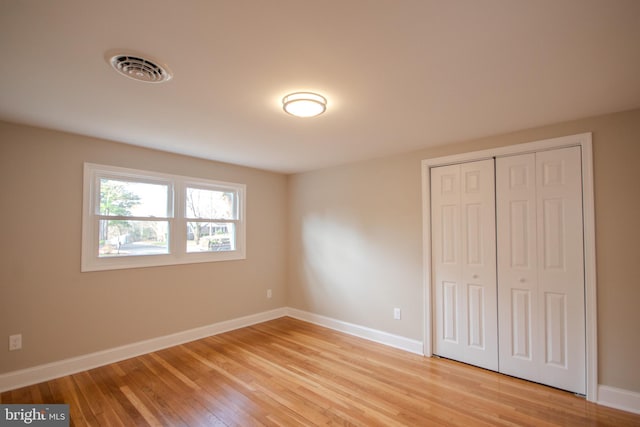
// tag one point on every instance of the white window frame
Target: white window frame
(90, 261)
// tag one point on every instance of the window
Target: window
(134, 218)
(211, 219)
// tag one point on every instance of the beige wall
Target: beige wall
(354, 235)
(62, 312)
(356, 239)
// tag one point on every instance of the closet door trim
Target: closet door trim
(583, 140)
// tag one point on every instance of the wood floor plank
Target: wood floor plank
(291, 373)
(144, 410)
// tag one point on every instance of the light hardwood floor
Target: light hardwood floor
(287, 372)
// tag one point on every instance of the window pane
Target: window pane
(130, 238)
(210, 204)
(211, 236)
(130, 198)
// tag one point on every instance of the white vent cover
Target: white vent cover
(139, 68)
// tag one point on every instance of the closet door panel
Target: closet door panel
(446, 259)
(520, 324)
(541, 268)
(463, 251)
(517, 265)
(479, 261)
(450, 316)
(561, 273)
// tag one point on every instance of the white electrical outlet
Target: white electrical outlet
(269, 293)
(396, 313)
(15, 342)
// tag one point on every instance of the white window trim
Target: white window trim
(177, 221)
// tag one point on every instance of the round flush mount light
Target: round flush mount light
(139, 68)
(304, 104)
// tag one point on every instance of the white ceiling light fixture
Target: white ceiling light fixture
(304, 104)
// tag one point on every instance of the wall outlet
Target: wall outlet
(15, 342)
(269, 293)
(397, 313)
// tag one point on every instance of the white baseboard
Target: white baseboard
(619, 398)
(37, 374)
(386, 338)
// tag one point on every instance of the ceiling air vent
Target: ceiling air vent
(139, 68)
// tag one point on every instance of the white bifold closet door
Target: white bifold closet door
(541, 268)
(464, 263)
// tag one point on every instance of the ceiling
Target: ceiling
(399, 75)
